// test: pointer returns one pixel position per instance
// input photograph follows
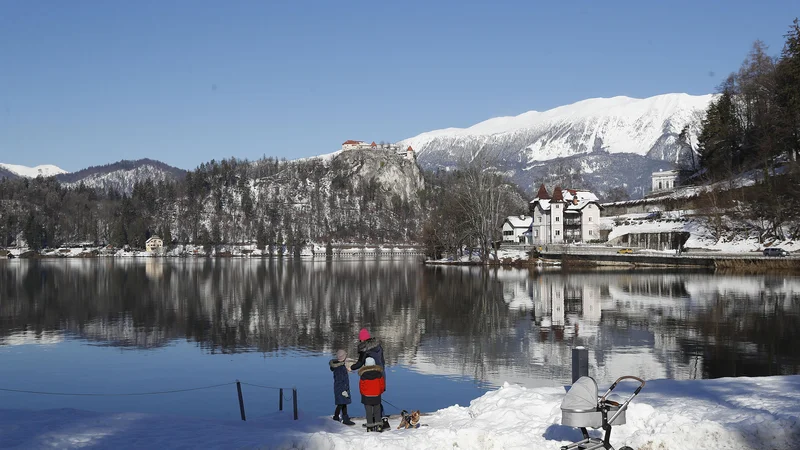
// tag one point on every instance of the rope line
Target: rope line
(390, 404)
(94, 394)
(263, 387)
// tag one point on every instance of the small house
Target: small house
(154, 244)
(515, 229)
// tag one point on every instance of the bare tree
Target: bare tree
(485, 198)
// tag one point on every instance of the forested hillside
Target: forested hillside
(353, 196)
(751, 134)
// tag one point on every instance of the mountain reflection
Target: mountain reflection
(489, 324)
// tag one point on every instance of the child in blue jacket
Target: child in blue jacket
(341, 387)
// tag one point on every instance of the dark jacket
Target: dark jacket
(369, 348)
(341, 382)
(371, 385)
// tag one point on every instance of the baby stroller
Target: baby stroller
(582, 408)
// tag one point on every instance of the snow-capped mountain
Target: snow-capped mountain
(645, 130)
(45, 170)
(122, 175)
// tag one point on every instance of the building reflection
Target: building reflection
(493, 325)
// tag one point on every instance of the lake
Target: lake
(114, 326)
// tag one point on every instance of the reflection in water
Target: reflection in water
(493, 325)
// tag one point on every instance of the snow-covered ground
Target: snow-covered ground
(727, 413)
(700, 236)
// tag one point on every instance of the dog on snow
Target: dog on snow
(409, 420)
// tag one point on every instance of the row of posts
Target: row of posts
(580, 368)
(280, 400)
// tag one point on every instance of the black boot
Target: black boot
(346, 421)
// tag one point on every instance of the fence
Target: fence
(238, 384)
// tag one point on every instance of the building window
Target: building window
(590, 232)
(590, 218)
(659, 185)
(536, 233)
(558, 219)
(558, 232)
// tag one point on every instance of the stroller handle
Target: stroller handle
(626, 377)
(628, 400)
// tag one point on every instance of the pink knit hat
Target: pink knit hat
(363, 335)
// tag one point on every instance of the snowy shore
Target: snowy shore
(728, 413)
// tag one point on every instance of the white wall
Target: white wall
(557, 222)
(540, 231)
(506, 229)
(590, 222)
(667, 182)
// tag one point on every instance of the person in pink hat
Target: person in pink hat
(370, 347)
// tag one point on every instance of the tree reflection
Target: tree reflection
(489, 324)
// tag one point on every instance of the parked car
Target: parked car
(624, 251)
(775, 251)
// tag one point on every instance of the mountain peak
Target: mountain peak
(625, 124)
(45, 170)
(610, 142)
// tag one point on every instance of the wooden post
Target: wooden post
(580, 363)
(280, 400)
(294, 401)
(241, 399)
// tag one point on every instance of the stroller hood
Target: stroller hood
(582, 396)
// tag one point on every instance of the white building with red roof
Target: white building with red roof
(569, 215)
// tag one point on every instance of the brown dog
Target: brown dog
(409, 420)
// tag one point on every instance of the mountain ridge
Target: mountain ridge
(612, 126)
(122, 175)
(45, 170)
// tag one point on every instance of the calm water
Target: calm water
(449, 333)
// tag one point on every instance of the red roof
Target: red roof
(373, 144)
(543, 194)
(410, 149)
(352, 142)
(572, 191)
(557, 195)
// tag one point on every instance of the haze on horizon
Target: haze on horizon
(94, 82)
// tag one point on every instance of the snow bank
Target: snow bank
(729, 413)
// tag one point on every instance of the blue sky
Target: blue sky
(92, 82)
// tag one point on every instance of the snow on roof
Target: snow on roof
(152, 238)
(579, 205)
(571, 194)
(520, 221)
(664, 173)
(352, 142)
(543, 203)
